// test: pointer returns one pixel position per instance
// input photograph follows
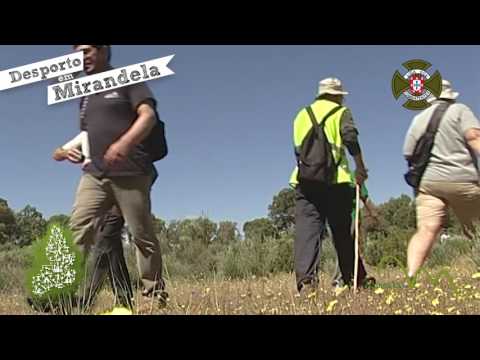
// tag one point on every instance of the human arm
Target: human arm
(349, 134)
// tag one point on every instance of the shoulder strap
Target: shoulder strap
(313, 118)
(433, 123)
(437, 116)
(333, 111)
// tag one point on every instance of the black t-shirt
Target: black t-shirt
(108, 116)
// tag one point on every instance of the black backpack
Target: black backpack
(156, 142)
(315, 161)
(418, 161)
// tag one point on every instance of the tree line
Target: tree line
(200, 246)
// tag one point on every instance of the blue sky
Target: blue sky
(229, 113)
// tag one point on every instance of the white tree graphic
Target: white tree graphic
(60, 272)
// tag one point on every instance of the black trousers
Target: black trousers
(314, 205)
(107, 259)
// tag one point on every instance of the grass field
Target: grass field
(451, 290)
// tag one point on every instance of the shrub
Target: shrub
(446, 253)
(12, 270)
(389, 248)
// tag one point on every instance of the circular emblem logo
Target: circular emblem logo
(416, 85)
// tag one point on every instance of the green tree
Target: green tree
(180, 234)
(192, 247)
(7, 222)
(173, 234)
(159, 226)
(208, 229)
(61, 219)
(30, 225)
(282, 210)
(227, 232)
(373, 223)
(399, 212)
(262, 228)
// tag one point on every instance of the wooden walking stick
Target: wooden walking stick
(357, 210)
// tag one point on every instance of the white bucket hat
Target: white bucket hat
(331, 86)
(447, 92)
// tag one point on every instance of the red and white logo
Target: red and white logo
(417, 82)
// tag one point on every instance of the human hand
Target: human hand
(361, 175)
(75, 156)
(116, 153)
(60, 154)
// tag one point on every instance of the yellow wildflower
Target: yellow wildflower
(390, 299)
(340, 290)
(118, 311)
(331, 305)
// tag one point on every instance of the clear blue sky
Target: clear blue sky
(229, 113)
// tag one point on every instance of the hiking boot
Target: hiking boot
(308, 289)
(159, 295)
(307, 283)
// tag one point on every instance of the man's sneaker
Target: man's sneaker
(308, 290)
(160, 295)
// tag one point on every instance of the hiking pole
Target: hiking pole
(357, 210)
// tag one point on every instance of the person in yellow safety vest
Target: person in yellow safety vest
(316, 203)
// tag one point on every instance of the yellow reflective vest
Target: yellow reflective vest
(302, 125)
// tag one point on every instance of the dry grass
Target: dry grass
(450, 290)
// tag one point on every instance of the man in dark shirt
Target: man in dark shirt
(121, 171)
